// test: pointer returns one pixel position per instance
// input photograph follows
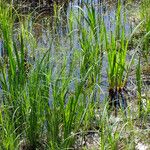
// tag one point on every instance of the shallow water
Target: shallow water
(44, 32)
(103, 9)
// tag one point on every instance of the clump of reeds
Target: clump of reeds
(116, 47)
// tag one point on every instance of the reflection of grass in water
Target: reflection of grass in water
(52, 103)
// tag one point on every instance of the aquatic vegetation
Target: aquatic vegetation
(116, 47)
(139, 85)
(145, 8)
(51, 83)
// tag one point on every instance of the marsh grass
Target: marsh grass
(146, 27)
(116, 47)
(53, 97)
(139, 85)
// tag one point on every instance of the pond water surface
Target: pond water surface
(46, 31)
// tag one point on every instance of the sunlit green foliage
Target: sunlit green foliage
(50, 94)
